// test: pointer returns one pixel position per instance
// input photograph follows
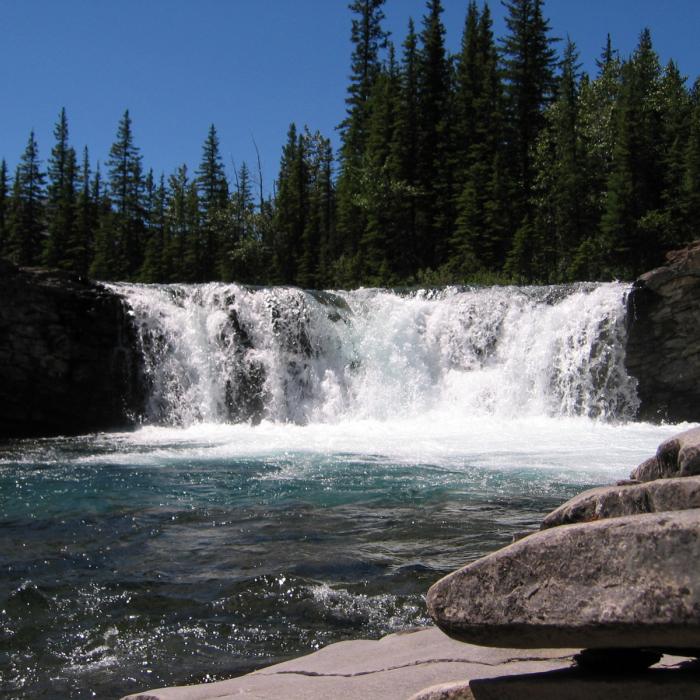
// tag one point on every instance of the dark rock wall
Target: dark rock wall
(663, 341)
(68, 363)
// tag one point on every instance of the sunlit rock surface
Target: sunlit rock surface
(620, 582)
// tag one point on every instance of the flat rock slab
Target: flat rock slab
(619, 501)
(556, 685)
(619, 583)
(677, 456)
(396, 666)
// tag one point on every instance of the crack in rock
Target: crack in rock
(515, 659)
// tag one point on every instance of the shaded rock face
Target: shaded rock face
(623, 582)
(67, 358)
(663, 338)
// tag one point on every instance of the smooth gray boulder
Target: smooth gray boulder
(677, 456)
(618, 583)
(633, 499)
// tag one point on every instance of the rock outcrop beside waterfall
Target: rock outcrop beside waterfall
(614, 571)
(68, 363)
(663, 338)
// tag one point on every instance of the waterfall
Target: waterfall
(229, 353)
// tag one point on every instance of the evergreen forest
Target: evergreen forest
(502, 163)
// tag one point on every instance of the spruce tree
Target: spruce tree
(212, 186)
(379, 179)
(676, 108)
(368, 39)
(630, 227)
(402, 164)
(597, 107)
(691, 172)
(434, 218)
(481, 237)
(82, 239)
(126, 190)
(153, 269)
(26, 221)
(559, 188)
(529, 64)
(290, 208)
(4, 206)
(61, 200)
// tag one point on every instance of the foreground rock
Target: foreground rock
(678, 456)
(663, 338)
(68, 363)
(624, 582)
(396, 666)
(632, 499)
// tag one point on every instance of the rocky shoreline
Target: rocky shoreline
(602, 602)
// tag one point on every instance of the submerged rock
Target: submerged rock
(633, 499)
(678, 456)
(618, 583)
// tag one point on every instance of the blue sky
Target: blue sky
(248, 66)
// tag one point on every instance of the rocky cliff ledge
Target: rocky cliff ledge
(663, 346)
(67, 363)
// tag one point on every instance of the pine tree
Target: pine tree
(468, 86)
(153, 269)
(290, 208)
(368, 40)
(597, 106)
(126, 190)
(61, 200)
(213, 189)
(435, 214)
(181, 249)
(379, 180)
(240, 247)
(630, 225)
(676, 108)
(691, 172)
(559, 189)
(529, 63)
(26, 221)
(83, 234)
(4, 206)
(482, 228)
(402, 164)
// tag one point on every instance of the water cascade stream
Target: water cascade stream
(225, 353)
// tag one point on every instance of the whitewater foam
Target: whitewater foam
(226, 353)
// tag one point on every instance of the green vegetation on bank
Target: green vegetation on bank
(503, 162)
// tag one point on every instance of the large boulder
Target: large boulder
(628, 499)
(663, 338)
(621, 582)
(68, 362)
(677, 456)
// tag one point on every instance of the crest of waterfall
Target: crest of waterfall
(228, 353)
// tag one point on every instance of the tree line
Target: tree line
(502, 163)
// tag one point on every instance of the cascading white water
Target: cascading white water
(226, 353)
